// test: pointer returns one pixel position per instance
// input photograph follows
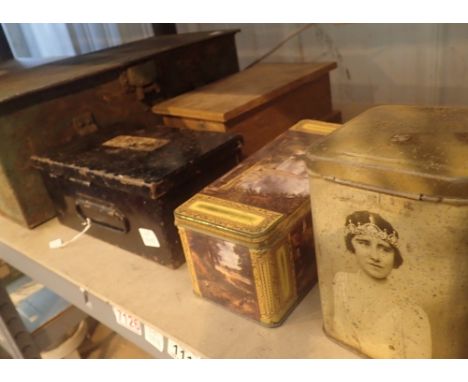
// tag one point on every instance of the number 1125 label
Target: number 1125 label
(127, 321)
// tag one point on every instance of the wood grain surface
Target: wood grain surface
(230, 97)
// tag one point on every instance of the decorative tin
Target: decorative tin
(389, 197)
(46, 106)
(260, 102)
(247, 237)
(127, 182)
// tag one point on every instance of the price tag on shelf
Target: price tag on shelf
(178, 352)
(154, 338)
(128, 321)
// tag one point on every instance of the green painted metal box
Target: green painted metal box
(49, 105)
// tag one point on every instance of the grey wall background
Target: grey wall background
(424, 64)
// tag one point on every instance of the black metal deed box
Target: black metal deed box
(128, 182)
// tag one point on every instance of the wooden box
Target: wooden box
(247, 237)
(128, 182)
(48, 105)
(260, 103)
(389, 196)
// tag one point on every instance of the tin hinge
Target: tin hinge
(414, 196)
(428, 198)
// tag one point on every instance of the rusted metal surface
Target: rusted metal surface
(128, 180)
(50, 105)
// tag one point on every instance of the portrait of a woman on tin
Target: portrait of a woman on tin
(372, 313)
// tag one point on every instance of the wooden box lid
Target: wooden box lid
(230, 97)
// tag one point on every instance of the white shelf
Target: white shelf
(96, 277)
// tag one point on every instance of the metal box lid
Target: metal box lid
(415, 152)
(18, 82)
(260, 196)
(242, 92)
(149, 161)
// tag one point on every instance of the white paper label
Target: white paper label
(176, 351)
(127, 321)
(154, 338)
(149, 237)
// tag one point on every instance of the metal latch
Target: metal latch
(84, 124)
(141, 80)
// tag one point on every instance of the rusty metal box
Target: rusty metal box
(247, 237)
(48, 105)
(128, 182)
(260, 102)
(389, 197)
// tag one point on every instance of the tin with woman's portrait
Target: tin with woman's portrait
(369, 313)
(389, 200)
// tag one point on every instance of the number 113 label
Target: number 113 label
(176, 351)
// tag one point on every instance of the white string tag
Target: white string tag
(59, 243)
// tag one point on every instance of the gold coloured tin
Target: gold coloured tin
(247, 237)
(390, 203)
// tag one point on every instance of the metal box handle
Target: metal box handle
(102, 214)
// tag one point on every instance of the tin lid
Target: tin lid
(20, 83)
(262, 195)
(239, 93)
(148, 161)
(415, 152)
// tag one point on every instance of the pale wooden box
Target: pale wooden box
(260, 103)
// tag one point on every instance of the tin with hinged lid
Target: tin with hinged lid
(247, 237)
(126, 183)
(389, 197)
